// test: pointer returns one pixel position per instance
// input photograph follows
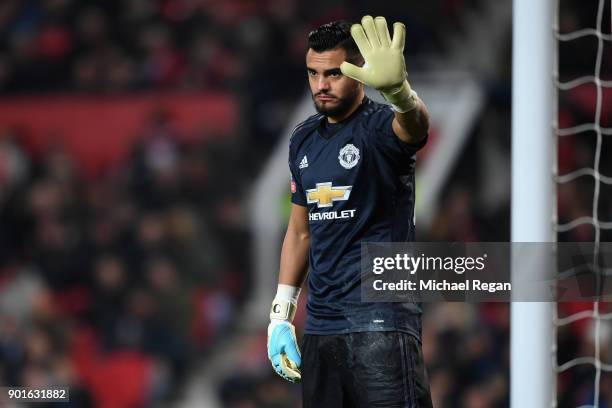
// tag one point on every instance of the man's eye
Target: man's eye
(335, 74)
(312, 73)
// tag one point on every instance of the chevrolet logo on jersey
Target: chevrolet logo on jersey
(325, 194)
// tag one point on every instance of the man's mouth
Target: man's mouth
(325, 98)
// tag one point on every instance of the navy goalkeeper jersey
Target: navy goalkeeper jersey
(357, 179)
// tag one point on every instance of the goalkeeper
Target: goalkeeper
(352, 180)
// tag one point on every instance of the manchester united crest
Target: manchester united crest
(349, 156)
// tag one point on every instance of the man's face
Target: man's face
(333, 93)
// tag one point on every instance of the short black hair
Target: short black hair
(334, 35)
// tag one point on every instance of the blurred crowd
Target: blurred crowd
(113, 285)
(118, 46)
(114, 46)
(117, 286)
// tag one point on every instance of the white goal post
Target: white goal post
(533, 191)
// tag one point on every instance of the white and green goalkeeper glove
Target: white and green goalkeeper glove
(384, 68)
(283, 350)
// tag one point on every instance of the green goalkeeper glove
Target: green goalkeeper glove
(384, 68)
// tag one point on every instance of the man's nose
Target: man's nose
(323, 83)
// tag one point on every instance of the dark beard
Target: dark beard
(339, 110)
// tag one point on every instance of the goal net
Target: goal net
(582, 106)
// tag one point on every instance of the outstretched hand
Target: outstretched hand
(384, 69)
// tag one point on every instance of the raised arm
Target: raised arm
(385, 70)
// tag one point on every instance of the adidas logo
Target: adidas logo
(304, 162)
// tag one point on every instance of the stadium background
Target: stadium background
(131, 135)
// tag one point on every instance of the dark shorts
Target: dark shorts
(369, 369)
